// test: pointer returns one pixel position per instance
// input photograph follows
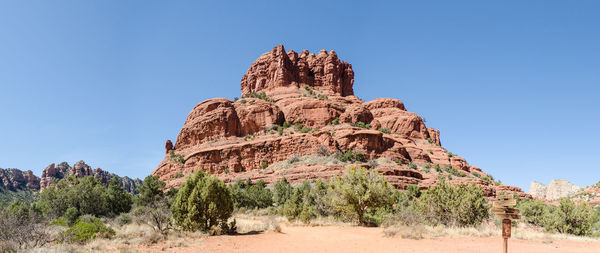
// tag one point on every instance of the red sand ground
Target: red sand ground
(361, 239)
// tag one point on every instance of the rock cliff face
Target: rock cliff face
(555, 190)
(308, 111)
(14, 179)
(81, 169)
(281, 69)
(562, 188)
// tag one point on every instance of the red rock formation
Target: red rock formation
(256, 114)
(53, 173)
(277, 69)
(168, 146)
(209, 120)
(356, 113)
(14, 179)
(234, 139)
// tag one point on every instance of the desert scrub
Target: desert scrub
(176, 158)
(83, 231)
(335, 121)
(462, 205)
(260, 95)
(251, 196)
(361, 125)
(412, 166)
(360, 192)
(322, 151)
(385, 130)
(350, 156)
(203, 202)
(264, 165)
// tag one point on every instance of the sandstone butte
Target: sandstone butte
(236, 139)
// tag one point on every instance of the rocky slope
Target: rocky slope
(556, 189)
(561, 188)
(14, 179)
(81, 169)
(296, 113)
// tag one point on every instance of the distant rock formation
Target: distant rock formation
(555, 190)
(54, 172)
(15, 179)
(236, 139)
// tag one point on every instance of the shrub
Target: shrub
(21, 227)
(534, 212)
(571, 218)
(71, 216)
(361, 125)
(155, 214)
(124, 219)
(430, 151)
(437, 168)
(413, 191)
(264, 165)
(305, 130)
(300, 205)
(385, 130)
(322, 151)
(282, 191)
(151, 190)
(293, 159)
(243, 101)
(372, 163)
(412, 166)
(176, 158)
(88, 195)
(260, 95)
(336, 121)
(399, 161)
(250, 195)
(117, 199)
(462, 205)
(202, 202)
(429, 140)
(82, 232)
(451, 155)
(350, 156)
(360, 191)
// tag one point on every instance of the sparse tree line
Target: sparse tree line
(82, 206)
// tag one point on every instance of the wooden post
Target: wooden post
(503, 208)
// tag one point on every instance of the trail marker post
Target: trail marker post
(503, 209)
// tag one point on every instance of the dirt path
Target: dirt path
(361, 239)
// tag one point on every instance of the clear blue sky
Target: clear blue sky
(512, 85)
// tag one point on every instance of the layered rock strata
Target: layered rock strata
(303, 105)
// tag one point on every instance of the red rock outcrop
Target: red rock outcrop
(248, 138)
(256, 114)
(53, 173)
(356, 113)
(14, 179)
(277, 69)
(209, 120)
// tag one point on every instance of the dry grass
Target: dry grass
(487, 229)
(250, 223)
(140, 238)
